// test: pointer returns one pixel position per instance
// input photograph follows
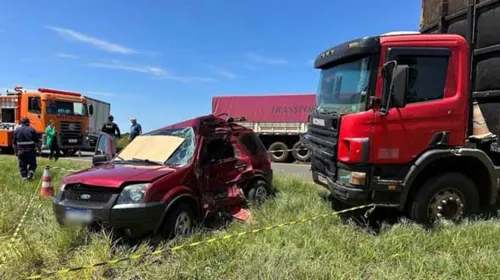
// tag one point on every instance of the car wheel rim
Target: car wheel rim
(183, 224)
(447, 204)
(260, 194)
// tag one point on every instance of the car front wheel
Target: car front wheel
(258, 192)
(179, 222)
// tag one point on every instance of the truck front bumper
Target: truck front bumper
(357, 195)
(135, 220)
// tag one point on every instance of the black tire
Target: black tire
(278, 156)
(301, 155)
(258, 192)
(173, 218)
(443, 191)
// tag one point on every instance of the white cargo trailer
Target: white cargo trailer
(100, 115)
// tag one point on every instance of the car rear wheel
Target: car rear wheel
(300, 152)
(258, 192)
(278, 152)
(451, 196)
(179, 222)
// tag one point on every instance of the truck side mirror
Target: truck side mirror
(387, 71)
(91, 109)
(395, 86)
(399, 85)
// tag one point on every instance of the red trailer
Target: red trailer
(279, 120)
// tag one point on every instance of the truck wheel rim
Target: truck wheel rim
(446, 204)
(260, 194)
(183, 224)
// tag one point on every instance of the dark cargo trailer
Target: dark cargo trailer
(479, 22)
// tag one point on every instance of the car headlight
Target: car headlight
(132, 194)
(61, 187)
(351, 177)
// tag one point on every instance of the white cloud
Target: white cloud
(154, 71)
(259, 59)
(67, 55)
(225, 73)
(87, 39)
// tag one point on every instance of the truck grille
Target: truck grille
(71, 133)
(322, 138)
(80, 192)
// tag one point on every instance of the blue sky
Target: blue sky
(162, 61)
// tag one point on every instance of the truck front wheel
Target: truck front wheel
(451, 196)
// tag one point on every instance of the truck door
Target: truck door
(35, 112)
(105, 146)
(403, 133)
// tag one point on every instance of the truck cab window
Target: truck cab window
(34, 105)
(427, 77)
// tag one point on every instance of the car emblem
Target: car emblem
(72, 126)
(85, 196)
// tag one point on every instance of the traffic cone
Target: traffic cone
(46, 190)
(480, 128)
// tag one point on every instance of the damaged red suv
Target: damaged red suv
(165, 181)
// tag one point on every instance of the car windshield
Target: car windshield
(150, 148)
(343, 88)
(66, 108)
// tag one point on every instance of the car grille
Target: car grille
(80, 192)
(322, 139)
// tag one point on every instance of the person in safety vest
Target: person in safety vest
(26, 142)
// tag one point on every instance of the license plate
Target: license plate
(322, 179)
(77, 216)
(72, 140)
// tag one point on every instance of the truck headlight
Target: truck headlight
(132, 194)
(351, 177)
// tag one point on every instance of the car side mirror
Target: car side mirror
(91, 109)
(99, 160)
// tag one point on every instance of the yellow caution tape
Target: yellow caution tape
(14, 238)
(199, 243)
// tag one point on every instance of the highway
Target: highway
(282, 169)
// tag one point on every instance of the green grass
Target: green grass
(322, 249)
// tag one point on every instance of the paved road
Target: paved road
(282, 169)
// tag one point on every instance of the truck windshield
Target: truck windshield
(343, 88)
(66, 108)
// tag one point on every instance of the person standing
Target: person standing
(51, 133)
(135, 129)
(112, 129)
(25, 143)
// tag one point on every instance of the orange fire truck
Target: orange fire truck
(68, 110)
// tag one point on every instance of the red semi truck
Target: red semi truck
(399, 119)
(278, 120)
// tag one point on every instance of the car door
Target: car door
(105, 146)
(221, 168)
(403, 133)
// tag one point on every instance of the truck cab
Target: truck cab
(392, 127)
(68, 110)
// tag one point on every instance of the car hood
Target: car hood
(114, 175)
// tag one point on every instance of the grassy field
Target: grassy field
(321, 249)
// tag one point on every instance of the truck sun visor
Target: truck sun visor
(154, 148)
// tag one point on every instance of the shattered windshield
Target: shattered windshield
(66, 108)
(343, 88)
(184, 153)
(172, 147)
